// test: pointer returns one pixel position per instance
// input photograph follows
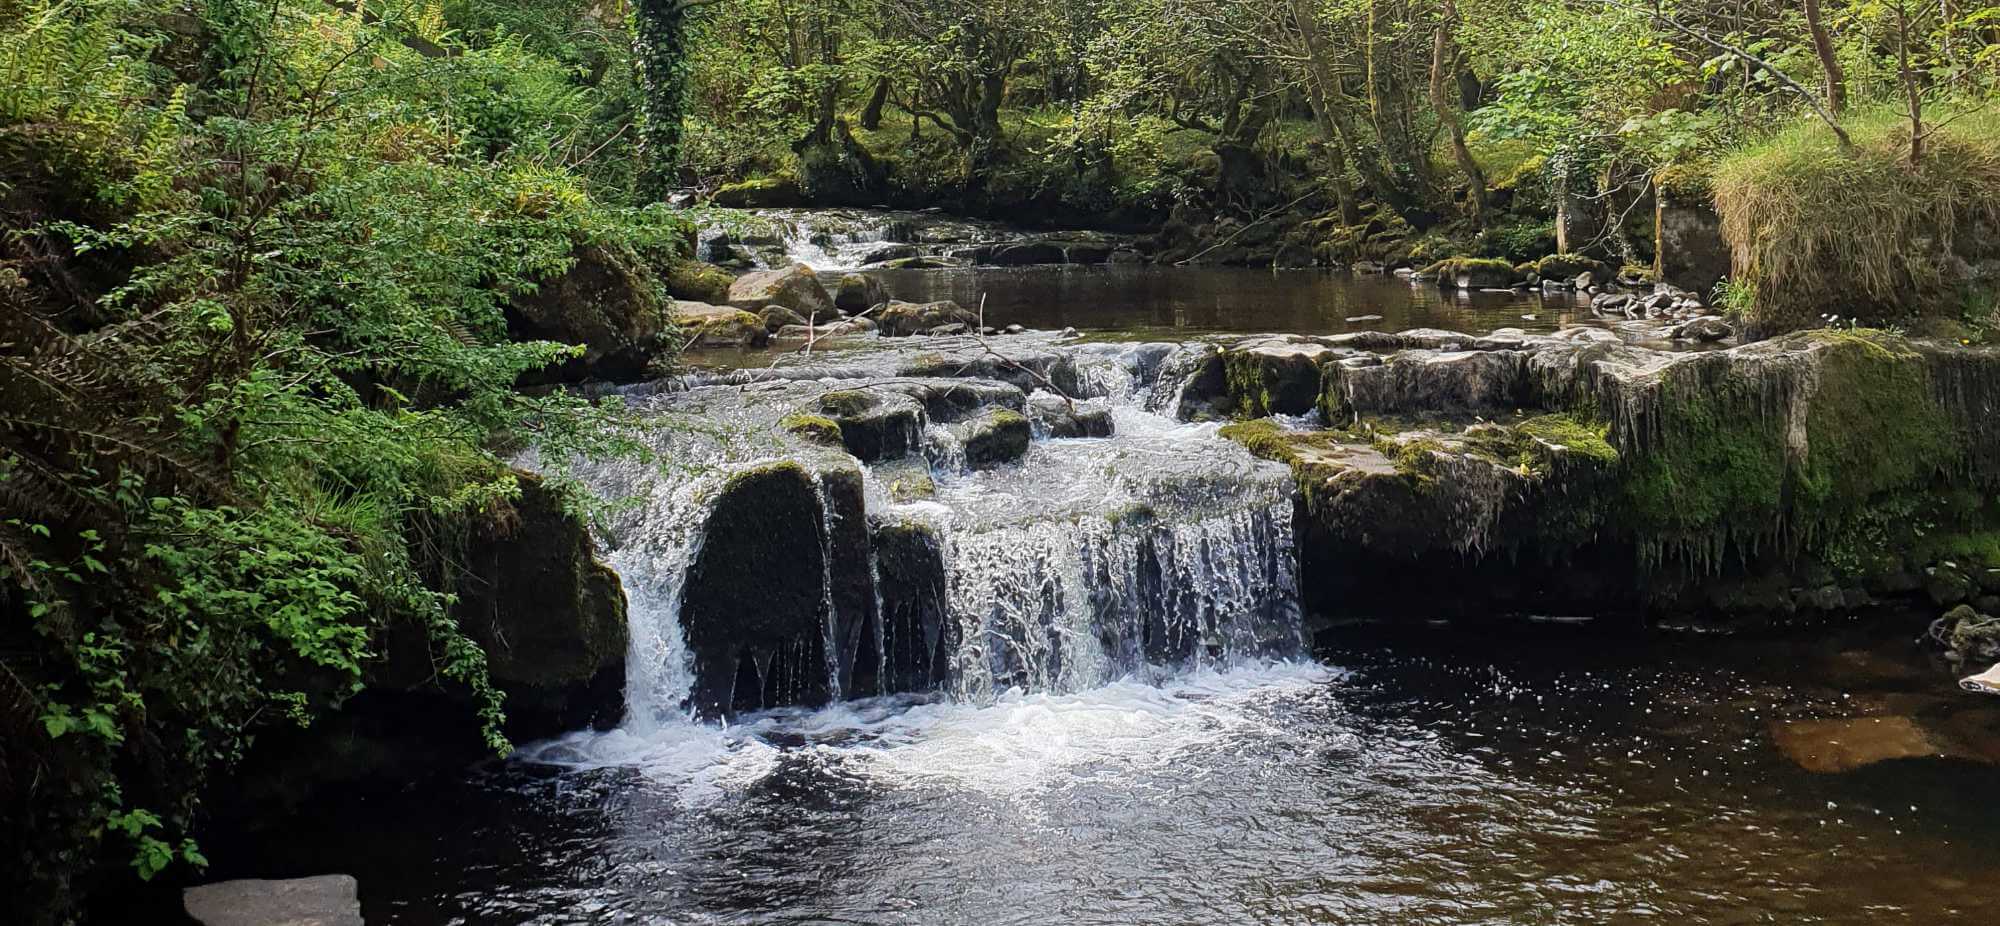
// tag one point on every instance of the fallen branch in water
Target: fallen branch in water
(979, 333)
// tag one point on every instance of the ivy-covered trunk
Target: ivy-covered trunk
(659, 53)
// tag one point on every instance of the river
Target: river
(1133, 723)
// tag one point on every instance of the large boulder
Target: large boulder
(795, 287)
(608, 303)
(899, 319)
(549, 616)
(699, 282)
(859, 292)
(755, 605)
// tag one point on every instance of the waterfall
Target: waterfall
(1162, 547)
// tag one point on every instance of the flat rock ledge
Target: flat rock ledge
(322, 900)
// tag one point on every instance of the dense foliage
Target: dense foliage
(255, 373)
(1411, 131)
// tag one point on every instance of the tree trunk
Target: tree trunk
(1911, 91)
(1441, 100)
(659, 51)
(1336, 123)
(1836, 79)
(871, 115)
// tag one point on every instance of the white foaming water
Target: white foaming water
(1097, 588)
(1018, 745)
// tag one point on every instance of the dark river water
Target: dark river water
(1163, 301)
(1535, 775)
(1505, 774)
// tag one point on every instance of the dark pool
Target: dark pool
(1154, 301)
(1520, 774)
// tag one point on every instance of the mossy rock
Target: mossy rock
(817, 429)
(874, 425)
(760, 193)
(699, 282)
(1566, 267)
(998, 436)
(1472, 273)
(549, 616)
(719, 326)
(608, 303)
(859, 292)
(1273, 378)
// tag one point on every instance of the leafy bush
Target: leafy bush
(257, 439)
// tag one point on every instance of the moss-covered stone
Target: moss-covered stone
(818, 429)
(754, 607)
(714, 326)
(549, 616)
(1273, 377)
(699, 282)
(875, 424)
(859, 292)
(1472, 273)
(998, 436)
(1565, 267)
(760, 192)
(608, 303)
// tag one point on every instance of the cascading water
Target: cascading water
(1160, 548)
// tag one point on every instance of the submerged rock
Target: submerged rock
(324, 900)
(1827, 746)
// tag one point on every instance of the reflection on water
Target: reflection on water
(1154, 302)
(1549, 777)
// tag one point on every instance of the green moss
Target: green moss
(760, 192)
(1873, 427)
(816, 428)
(1571, 435)
(1272, 382)
(699, 282)
(1266, 439)
(1685, 182)
(846, 403)
(1638, 273)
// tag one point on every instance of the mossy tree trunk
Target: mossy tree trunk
(659, 53)
(1442, 57)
